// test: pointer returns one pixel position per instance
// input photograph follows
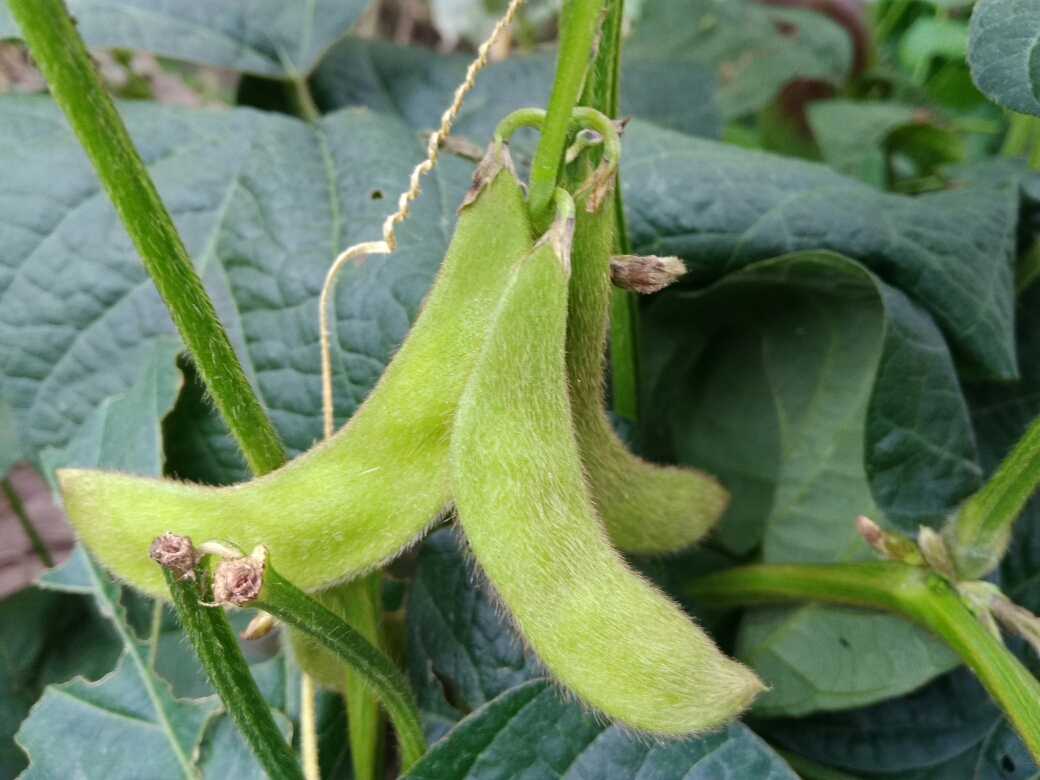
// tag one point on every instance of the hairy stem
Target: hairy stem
(27, 525)
(285, 601)
(919, 595)
(978, 535)
(65, 62)
(579, 22)
(214, 641)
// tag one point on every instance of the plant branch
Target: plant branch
(252, 580)
(978, 535)
(214, 641)
(579, 22)
(27, 525)
(917, 594)
(66, 64)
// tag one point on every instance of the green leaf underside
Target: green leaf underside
(719, 208)
(457, 632)
(816, 393)
(755, 50)
(280, 38)
(529, 731)
(1004, 53)
(417, 84)
(264, 203)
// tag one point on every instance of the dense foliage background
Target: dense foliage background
(857, 334)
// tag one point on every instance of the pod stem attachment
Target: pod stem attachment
(920, 595)
(252, 580)
(214, 642)
(978, 535)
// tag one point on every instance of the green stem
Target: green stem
(579, 21)
(30, 530)
(918, 595)
(624, 353)
(361, 599)
(285, 601)
(65, 62)
(1021, 129)
(214, 641)
(978, 535)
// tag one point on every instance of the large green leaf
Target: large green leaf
(817, 393)
(263, 202)
(45, 637)
(417, 85)
(720, 207)
(128, 725)
(754, 50)
(1004, 53)
(936, 724)
(282, 38)
(529, 731)
(457, 638)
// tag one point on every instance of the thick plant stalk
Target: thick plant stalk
(65, 62)
(251, 580)
(916, 594)
(979, 534)
(209, 632)
(579, 23)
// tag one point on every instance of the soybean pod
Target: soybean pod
(353, 501)
(645, 507)
(601, 629)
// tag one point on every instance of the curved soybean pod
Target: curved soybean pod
(351, 502)
(645, 507)
(607, 634)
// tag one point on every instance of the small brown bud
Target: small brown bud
(933, 548)
(887, 545)
(237, 581)
(259, 626)
(176, 553)
(645, 274)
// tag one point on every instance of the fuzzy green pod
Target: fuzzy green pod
(353, 501)
(602, 630)
(646, 507)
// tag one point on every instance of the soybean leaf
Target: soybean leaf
(720, 207)
(529, 731)
(281, 38)
(933, 725)
(1004, 53)
(851, 135)
(754, 50)
(263, 202)
(816, 393)
(126, 725)
(45, 637)
(417, 84)
(457, 638)
(930, 38)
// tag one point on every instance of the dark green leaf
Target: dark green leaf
(816, 393)
(720, 207)
(935, 724)
(417, 84)
(263, 202)
(282, 38)
(754, 50)
(529, 731)
(457, 637)
(1004, 53)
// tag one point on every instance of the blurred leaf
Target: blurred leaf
(816, 393)
(1004, 53)
(719, 208)
(264, 203)
(529, 731)
(281, 38)
(852, 135)
(930, 38)
(10, 447)
(417, 84)
(754, 50)
(457, 637)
